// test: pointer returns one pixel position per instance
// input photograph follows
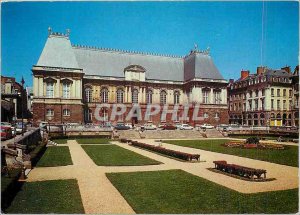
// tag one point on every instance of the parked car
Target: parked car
(121, 126)
(129, 125)
(19, 127)
(6, 132)
(186, 127)
(178, 125)
(161, 125)
(222, 127)
(13, 129)
(206, 126)
(149, 126)
(169, 127)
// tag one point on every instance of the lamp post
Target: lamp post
(22, 82)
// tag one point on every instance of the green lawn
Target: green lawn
(93, 140)
(176, 191)
(112, 155)
(288, 156)
(60, 141)
(55, 156)
(58, 196)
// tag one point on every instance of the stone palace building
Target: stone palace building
(70, 80)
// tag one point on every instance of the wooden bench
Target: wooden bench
(239, 170)
(169, 152)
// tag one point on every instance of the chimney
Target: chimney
(287, 69)
(231, 81)
(244, 74)
(260, 70)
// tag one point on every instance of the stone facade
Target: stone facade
(70, 81)
(263, 99)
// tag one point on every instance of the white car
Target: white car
(128, 125)
(178, 125)
(207, 126)
(149, 126)
(186, 127)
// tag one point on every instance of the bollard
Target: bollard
(23, 176)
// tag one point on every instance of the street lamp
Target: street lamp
(22, 82)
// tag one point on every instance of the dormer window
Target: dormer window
(135, 73)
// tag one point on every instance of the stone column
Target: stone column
(41, 87)
(129, 94)
(211, 96)
(57, 89)
(35, 86)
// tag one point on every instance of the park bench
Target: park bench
(239, 170)
(169, 152)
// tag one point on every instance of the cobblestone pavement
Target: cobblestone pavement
(100, 196)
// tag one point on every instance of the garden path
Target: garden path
(100, 196)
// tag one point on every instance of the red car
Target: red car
(6, 133)
(169, 127)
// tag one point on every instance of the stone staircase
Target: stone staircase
(172, 134)
(213, 133)
(129, 134)
(51, 143)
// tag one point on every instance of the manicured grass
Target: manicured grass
(176, 191)
(93, 141)
(247, 136)
(112, 155)
(55, 156)
(58, 196)
(288, 156)
(60, 141)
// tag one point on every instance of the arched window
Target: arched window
(217, 115)
(88, 94)
(272, 115)
(278, 116)
(205, 115)
(50, 89)
(66, 90)
(120, 96)
(149, 96)
(262, 115)
(163, 97)
(104, 95)
(176, 97)
(135, 96)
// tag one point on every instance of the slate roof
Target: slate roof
(58, 52)
(112, 63)
(278, 72)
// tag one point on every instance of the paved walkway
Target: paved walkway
(100, 196)
(97, 193)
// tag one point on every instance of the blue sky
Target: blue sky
(232, 30)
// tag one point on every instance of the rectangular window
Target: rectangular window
(290, 93)
(263, 92)
(256, 104)
(66, 112)
(66, 90)
(244, 106)
(205, 96)
(284, 92)
(217, 96)
(278, 105)
(284, 104)
(50, 112)
(272, 92)
(50, 90)
(272, 104)
(278, 92)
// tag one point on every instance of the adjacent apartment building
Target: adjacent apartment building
(70, 80)
(267, 98)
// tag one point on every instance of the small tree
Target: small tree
(252, 140)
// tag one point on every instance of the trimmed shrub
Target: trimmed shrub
(252, 140)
